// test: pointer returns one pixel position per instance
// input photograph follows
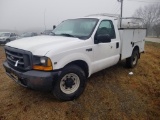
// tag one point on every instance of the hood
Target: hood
(4, 37)
(40, 45)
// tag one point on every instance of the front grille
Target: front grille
(18, 59)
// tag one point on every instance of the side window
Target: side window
(106, 27)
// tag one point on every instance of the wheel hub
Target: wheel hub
(69, 83)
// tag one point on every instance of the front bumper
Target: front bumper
(33, 79)
(2, 41)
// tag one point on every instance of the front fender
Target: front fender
(63, 61)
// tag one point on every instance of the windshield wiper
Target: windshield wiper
(52, 33)
(68, 35)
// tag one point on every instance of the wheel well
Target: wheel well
(8, 40)
(137, 48)
(82, 64)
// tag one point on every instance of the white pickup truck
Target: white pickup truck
(76, 49)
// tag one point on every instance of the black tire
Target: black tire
(8, 40)
(70, 84)
(132, 61)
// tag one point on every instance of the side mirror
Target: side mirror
(103, 38)
(54, 27)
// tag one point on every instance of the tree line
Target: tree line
(150, 18)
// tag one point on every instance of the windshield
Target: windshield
(5, 34)
(80, 28)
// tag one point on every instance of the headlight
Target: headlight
(42, 63)
(42, 60)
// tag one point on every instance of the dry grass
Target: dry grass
(110, 94)
(153, 39)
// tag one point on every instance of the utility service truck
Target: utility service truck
(76, 49)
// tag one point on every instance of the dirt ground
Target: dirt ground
(111, 94)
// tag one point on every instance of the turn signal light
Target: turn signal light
(46, 67)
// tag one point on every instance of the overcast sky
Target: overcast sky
(27, 15)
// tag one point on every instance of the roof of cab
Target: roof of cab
(100, 17)
(103, 16)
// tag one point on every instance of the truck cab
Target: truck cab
(77, 49)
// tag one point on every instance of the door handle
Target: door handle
(117, 44)
(88, 50)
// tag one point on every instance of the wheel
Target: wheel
(70, 84)
(132, 61)
(7, 40)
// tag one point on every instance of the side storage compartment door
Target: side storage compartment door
(131, 38)
(138, 38)
(126, 42)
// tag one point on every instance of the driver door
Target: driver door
(105, 54)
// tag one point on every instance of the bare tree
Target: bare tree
(156, 28)
(150, 15)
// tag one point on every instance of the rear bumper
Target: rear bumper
(38, 80)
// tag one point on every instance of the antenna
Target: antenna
(45, 18)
